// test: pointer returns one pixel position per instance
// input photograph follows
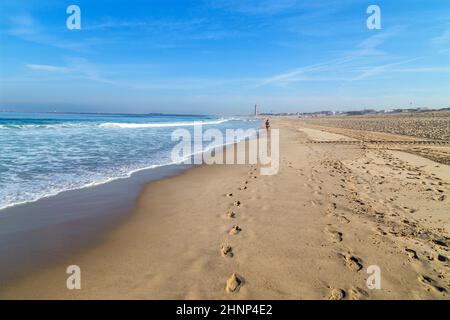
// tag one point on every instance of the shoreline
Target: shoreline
(35, 227)
(88, 186)
(298, 237)
(51, 229)
(128, 174)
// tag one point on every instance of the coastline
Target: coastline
(39, 234)
(301, 238)
(75, 164)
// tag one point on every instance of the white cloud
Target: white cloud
(27, 28)
(47, 68)
(443, 38)
(343, 67)
(442, 42)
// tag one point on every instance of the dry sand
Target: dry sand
(429, 125)
(309, 232)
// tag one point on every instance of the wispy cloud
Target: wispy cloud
(442, 41)
(344, 67)
(47, 68)
(75, 68)
(253, 7)
(145, 24)
(151, 33)
(371, 71)
(443, 38)
(266, 7)
(129, 76)
(27, 28)
(167, 32)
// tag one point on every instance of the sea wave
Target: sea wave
(45, 126)
(29, 197)
(41, 158)
(6, 201)
(77, 125)
(160, 124)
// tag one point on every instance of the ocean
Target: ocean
(44, 154)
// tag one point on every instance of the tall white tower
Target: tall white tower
(256, 110)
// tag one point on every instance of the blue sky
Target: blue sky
(222, 57)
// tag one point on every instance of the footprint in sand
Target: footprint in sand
(334, 235)
(234, 283)
(412, 253)
(357, 294)
(440, 198)
(337, 294)
(352, 262)
(431, 284)
(440, 242)
(343, 219)
(229, 195)
(243, 188)
(226, 250)
(380, 232)
(317, 192)
(231, 214)
(442, 258)
(237, 203)
(235, 230)
(316, 203)
(331, 209)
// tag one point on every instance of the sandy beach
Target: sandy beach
(337, 206)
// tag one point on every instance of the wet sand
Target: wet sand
(39, 234)
(308, 232)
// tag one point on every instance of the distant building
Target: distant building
(256, 110)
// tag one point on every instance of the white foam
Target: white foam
(54, 192)
(67, 150)
(160, 125)
(45, 126)
(74, 125)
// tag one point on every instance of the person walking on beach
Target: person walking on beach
(267, 124)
